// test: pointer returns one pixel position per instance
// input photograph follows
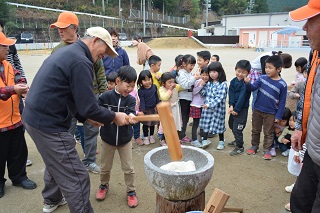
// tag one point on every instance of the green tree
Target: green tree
(190, 7)
(260, 6)
(4, 11)
(231, 7)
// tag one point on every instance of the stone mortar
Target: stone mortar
(178, 185)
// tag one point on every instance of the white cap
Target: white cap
(104, 35)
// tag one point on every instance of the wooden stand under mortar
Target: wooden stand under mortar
(181, 206)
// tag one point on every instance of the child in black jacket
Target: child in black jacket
(119, 138)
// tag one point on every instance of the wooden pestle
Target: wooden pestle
(170, 131)
(169, 128)
(140, 118)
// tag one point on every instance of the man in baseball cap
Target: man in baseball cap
(13, 147)
(104, 35)
(305, 194)
(63, 90)
(67, 25)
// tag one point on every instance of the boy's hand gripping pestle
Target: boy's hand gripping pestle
(169, 128)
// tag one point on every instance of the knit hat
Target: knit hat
(104, 35)
(65, 19)
(308, 11)
(6, 41)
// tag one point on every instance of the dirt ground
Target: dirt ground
(178, 42)
(252, 183)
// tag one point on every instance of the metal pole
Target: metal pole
(163, 11)
(251, 5)
(119, 8)
(144, 18)
(141, 6)
(207, 8)
(103, 8)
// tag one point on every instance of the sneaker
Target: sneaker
(94, 168)
(273, 152)
(160, 136)
(289, 188)
(132, 199)
(267, 155)
(253, 150)
(286, 153)
(220, 145)
(163, 143)
(232, 144)
(146, 140)
(237, 151)
(205, 143)
(53, 207)
(186, 139)
(138, 141)
(151, 139)
(26, 184)
(28, 163)
(196, 143)
(102, 192)
(287, 207)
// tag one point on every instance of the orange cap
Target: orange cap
(65, 19)
(6, 41)
(308, 11)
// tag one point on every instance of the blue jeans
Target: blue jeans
(81, 135)
(136, 130)
(90, 141)
(77, 134)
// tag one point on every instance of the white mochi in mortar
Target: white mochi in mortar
(180, 166)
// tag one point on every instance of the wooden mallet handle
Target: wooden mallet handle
(170, 131)
(140, 118)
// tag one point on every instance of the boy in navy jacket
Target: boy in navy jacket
(238, 105)
(119, 137)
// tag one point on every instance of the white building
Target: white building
(260, 30)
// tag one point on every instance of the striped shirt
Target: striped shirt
(271, 97)
(14, 59)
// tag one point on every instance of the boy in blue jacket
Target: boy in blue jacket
(238, 105)
(269, 106)
(119, 137)
(113, 64)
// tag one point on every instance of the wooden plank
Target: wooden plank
(216, 202)
(232, 209)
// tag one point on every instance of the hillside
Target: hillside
(285, 5)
